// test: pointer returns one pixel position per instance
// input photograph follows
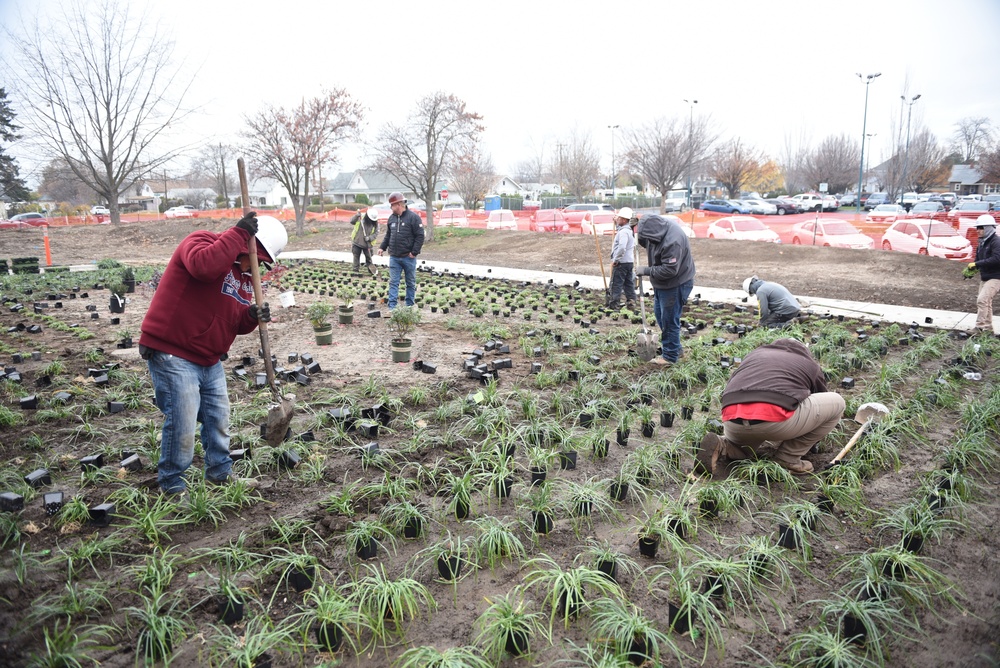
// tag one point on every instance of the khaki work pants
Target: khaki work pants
(815, 417)
(984, 303)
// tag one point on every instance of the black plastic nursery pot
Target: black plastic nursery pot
(230, 610)
(912, 541)
(678, 621)
(621, 437)
(709, 508)
(666, 419)
(853, 629)
(678, 528)
(714, 587)
(567, 460)
(542, 521)
(517, 643)
(609, 567)
(569, 603)
(503, 487)
(582, 508)
(461, 510)
(449, 567)
(156, 649)
(687, 412)
(648, 545)
(413, 528)
(302, 579)
(329, 636)
(618, 491)
(367, 549)
(537, 475)
(640, 650)
(788, 537)
(601, 448)
(648, 429)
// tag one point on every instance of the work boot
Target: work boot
(251, 483)
(801, 467)
(630, 306)
(659, 361)
(707, 459)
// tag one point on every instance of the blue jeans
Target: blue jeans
(667, 305)
(408, 266)
(622, 280)
(188, 393)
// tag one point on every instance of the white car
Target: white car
(179, 212)
(759, 207)
(886, 213)
(830, 232)
(451, 218)
(501, 219)
(927, 237)
(598, 222)
(809, 202)
(98, 210)
(742, 228)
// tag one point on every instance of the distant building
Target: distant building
(968, 180)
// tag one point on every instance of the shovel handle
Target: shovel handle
(258, 292)
(850, 444)
(600, 258)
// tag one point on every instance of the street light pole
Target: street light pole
(906, 151)
(868, 166)
(864, 129)
(613, 175)
(690, 104)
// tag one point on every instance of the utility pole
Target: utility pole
(690, 194)
(906, 152)
(560, 147)
(614, 194)
(864, 129)
(868, 165)
(225, 186)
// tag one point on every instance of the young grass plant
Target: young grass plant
(624, 626)
(497, 540)
(66, 646)
(249, 646)
(567, 591)
(820, 646)
(694, 609)
(872, 623)
(507, 626)
(384, 601)
(428, 656)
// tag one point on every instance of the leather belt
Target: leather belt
(747, 423)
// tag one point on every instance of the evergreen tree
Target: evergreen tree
(12, 186)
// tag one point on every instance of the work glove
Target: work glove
(970, 270)
(972, 265)
(248, 223)
(261, 313)
(643, 271)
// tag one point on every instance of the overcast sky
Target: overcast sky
(768, 71)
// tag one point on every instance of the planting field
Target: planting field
(272, 575)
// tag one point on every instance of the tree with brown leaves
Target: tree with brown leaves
(734, 163)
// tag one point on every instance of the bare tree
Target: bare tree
(287, 145)
(580, 164)
(473, 176)
(926, 164)
(990, 165)
(734, 163)
(98, 82)
(211, 165)
(792, 163)
(833, 162)
(60, 184)
(973, 136)
(532, 170)
(666, 150)
(438, 130)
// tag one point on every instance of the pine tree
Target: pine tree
(12, 186)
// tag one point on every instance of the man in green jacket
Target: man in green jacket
(364, 233)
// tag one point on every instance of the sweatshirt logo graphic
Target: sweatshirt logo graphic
(231, 286)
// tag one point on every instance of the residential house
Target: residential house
(375, 184)
(967, 180)
(506, 187)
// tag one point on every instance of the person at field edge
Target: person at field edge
(777, 305)
(670, 268)
(404, 237)
(988, 265)
(623, 261)
(777, 394)
(362, 236)
(203, 301)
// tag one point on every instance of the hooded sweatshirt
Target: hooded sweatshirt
(623, 247)
(774, 298)
(668, 252)
(988, 256)
(203, 300)
(782, 373)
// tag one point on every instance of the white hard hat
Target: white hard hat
(625, 212)
(372, 214)
(272, 235)
(746, 284)
(985, 220)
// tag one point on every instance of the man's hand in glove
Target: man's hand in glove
(263, 313)
(248, 223)
(642, 271)
(970, 270)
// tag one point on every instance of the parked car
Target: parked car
(926, 209)
(848, 199)
(949, 199)
(384, 211)
(725, 206)
(908, 200)
(759, 207)
(885, 213)
(672, 204)
(875, 199)
(830, 232)
(927, 237)
(742, 228)
(969, 208)
(32, 219)
(501, 219)
(784, 205)
(574, 212)
(598, 222)
(809, 202)
(994, 201)
(451, 218)
(185, 211)
(98, 210)
(531, 205)
(453, 205)
(548, 220)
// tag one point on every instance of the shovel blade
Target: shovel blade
(645, 348)
(279, 416)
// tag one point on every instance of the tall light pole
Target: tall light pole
(906, 151)
(690, 104)
(864, 129)
(613, 179)
(869, 165)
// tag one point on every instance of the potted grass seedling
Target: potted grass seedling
(451, 556)
(331, 615)
(646, 422)
(402, 323)
(405, 518)
(632, 634)
(345, 312)
(720, 498)
(586, 498)
(567, 591)
(540, 458)
(606, 559)
(895, 571)
(496, 540)
(766, 562)
(117, 289)
(461, 488)
(796, 526)
(689, 608)
(726, 580)
(651, 531)
(251, 645)
(823, 646)
(870, 622)
(765, 473)
(428, 656)
(841, 487)
(296, 568)
(507, 626)
(385, 600)
(162, 625)
(542, 504)
(364, 537)
(319, 317)
(500, 478)
(623, 429)
(915, 523)
(231, 600)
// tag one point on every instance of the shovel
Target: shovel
(866, 415)
(600, 258)
(644, 346)
(279, 414)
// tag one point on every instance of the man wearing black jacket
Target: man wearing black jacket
(777, 394)
(404, 237)
(988, 265)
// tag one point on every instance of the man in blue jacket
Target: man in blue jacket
(670, 268)
(404, 237)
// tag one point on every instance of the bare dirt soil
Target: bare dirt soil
(357, 371)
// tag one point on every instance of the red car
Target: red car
(548, 220)
(574, 212)
(25, 220)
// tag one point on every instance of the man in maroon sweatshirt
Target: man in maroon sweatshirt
(203, 301)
